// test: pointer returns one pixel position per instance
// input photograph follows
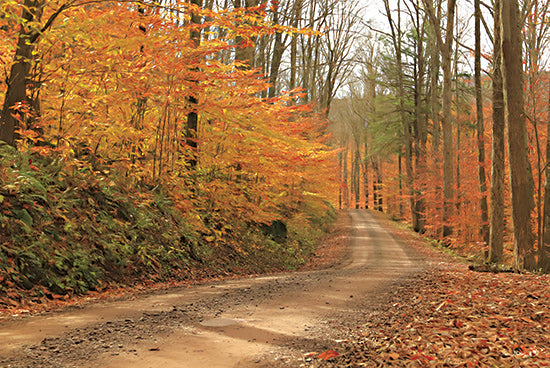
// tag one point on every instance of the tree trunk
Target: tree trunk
(340, 191)
(380, 207)
(297, 14)
(521, 175)
(400, 175)
(357, 177)
(366, 179)
(445, 48)
(420, 122)
(345, 178)
(377, 185)
(244, 54)
(193, 116)
(446, 122)
(16, 93)
(496, 228)
(480, 127)
(406, 126)
(278, 49)
(544, 251)
(433, 98)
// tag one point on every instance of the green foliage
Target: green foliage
(71, 233)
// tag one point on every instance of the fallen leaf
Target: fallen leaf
(328, 355)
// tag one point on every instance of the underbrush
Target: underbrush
(67, 230)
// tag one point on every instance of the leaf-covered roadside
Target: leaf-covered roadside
(458, 319)
(452, 317)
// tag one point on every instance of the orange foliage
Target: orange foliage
(115, 87)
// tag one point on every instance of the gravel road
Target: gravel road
(282, 320)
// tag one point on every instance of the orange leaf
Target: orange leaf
(328, 354)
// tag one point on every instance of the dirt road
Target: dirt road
(251, 322)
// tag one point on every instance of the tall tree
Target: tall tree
(337, 47)
(544, 251)
(521, 175)
(536, 42)
(446, 50)
(496, 228)
(420, 121)
(480, 127)
(396, 37)
(193, 116)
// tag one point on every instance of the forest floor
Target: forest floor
(374, 295)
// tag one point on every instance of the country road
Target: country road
(250, 322)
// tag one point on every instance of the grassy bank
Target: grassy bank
(67, 229)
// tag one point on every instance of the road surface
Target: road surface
(250, 322)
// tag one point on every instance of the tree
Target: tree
(544, 251)
(396, 38)
(192, 135)
(496, 228)
(420, 123)
(17, 107)
(244, 52)
(521, 175)
(480, 127)
(446, 50)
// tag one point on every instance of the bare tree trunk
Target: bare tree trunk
(434, 67)
(434, 103)
(277, 57)
(544, 251)
(400, 176)
(421, 123)
(341, 190)
(366, 178)
(446, 121)
(496, 229)
(380, 203)
(278, 50)
(377, 185)
(521, 175)
(445, 48)
(296, 15)
(480, 127)
(345, 177)
(357, 177)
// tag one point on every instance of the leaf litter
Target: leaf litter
(450, 316)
